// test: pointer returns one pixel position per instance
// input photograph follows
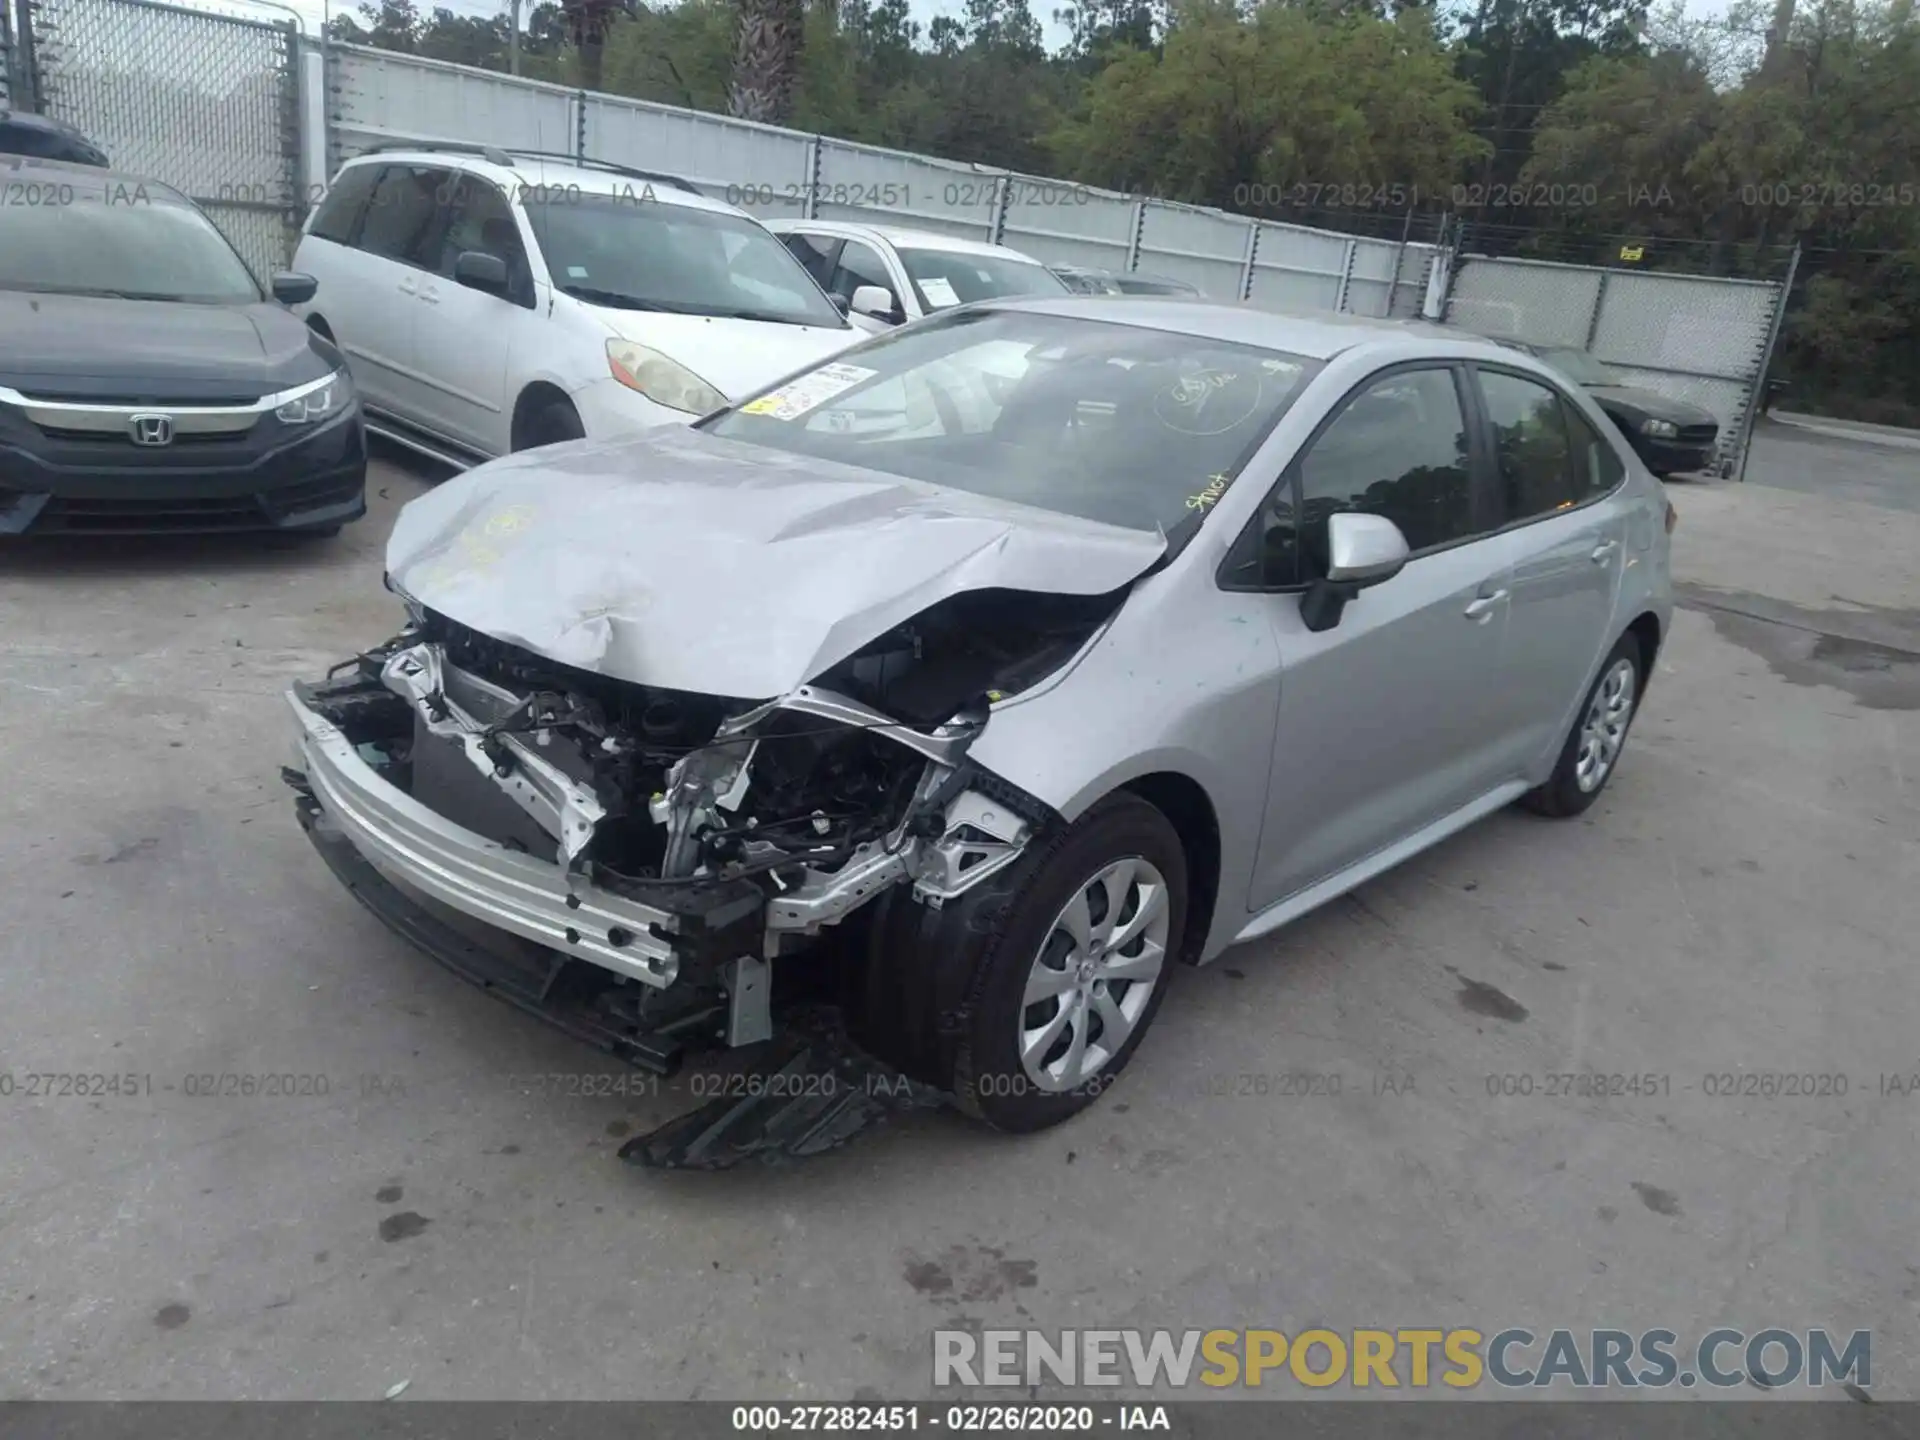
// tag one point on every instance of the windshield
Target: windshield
(1580, 367)
(1135, 427)
(120, 239)
(945, 278)
(640, 253)
(1146, 285)
(1085, 282)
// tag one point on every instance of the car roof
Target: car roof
(85, 180)
(1314, 336)
(540, 172)
(903, 238)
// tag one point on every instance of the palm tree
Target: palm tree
(766, 61)
(587, 24)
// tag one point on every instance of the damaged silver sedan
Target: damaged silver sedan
(978, 678)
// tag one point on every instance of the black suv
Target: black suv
(147, 381)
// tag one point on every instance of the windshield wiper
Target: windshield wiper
(619, 300)
(768, 317)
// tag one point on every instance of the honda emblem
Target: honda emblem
(151, 429)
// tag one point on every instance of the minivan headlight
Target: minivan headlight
(663, 380)
(324, 397)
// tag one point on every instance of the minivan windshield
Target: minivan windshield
(1132, 426)
(115, 238)
(636, 252)
(945, 278)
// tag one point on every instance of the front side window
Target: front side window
(340, 210)
(861, 265)
(1533, 460)
(479, 219)
(121, 239)
(1399, 449)
(1134, 427)
(403, 213)
(945, 278)
(633, 251)
(815, 254)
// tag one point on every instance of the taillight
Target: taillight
(1673, 517)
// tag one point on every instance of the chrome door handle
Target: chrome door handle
(407, 287)
(1481, 606)
(431, 295)
(1603, 552)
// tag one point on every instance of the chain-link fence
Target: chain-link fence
(204, 102)
(1701, 339)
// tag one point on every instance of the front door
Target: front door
(390, 259)
(464, 337)
(1388, 719)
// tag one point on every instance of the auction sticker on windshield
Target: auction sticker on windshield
(939, 292)
(808, 392)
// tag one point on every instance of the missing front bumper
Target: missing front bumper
(520, 894)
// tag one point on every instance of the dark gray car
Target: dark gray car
(148, 381)
(1672, 436)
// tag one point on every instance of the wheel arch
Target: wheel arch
(533, 397)
(1190, 810)
(1645, 628)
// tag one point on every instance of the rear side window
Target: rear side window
(1533, 456)
(403, 213)
(340, 210)
(1596, 465)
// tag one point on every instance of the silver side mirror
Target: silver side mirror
(1363, 549)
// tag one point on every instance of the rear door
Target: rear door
(1557, 489)
(1387, 720)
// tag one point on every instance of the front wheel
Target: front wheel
(553, 423)
(1027, 997)
(1592, 750)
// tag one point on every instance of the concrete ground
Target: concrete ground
(1837, 460)
(1744, 899)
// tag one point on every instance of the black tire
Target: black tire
(551, 424)
(938, 993)
(1562, 795)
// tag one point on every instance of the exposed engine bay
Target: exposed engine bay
(747, 826)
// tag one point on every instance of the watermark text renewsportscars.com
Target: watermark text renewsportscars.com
(1769, 1357)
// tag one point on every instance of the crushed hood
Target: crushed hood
(678, 560)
